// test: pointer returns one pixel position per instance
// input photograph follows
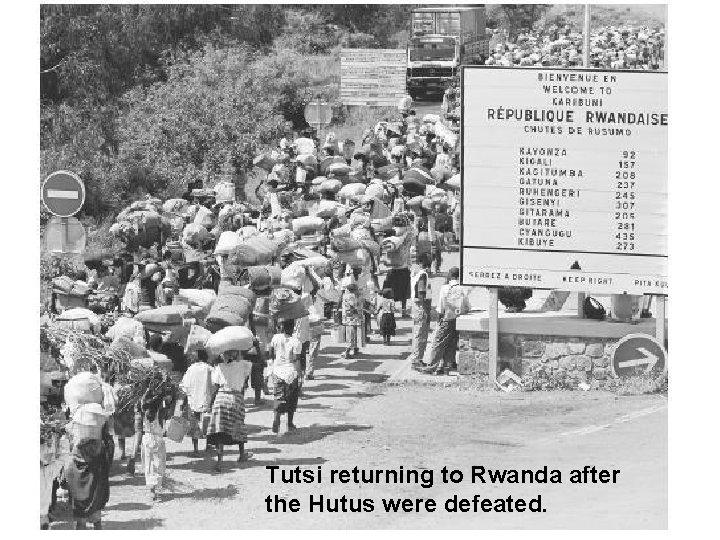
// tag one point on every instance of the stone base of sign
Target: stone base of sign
(561, 346)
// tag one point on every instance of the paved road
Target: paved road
(348, 418)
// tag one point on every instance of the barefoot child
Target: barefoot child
(198, 389)
(155, 405)
(386, 315)
(285, 349)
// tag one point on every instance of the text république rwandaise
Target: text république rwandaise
(424, 479)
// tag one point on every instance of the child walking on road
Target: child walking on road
(386, 315)
(285, 349)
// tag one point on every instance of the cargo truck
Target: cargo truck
(442, 40)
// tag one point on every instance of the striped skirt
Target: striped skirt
(227, 419)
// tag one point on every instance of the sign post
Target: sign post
(493, 334)
(660, 318)
(63, 194)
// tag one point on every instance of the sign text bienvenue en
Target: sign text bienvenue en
(563, 167)
(372, 76)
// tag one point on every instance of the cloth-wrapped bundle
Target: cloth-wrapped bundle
(286, 304)
(230, 338)
(227, 242)
(83, 388)
(225, 192)
(334, 185)
(194, 234)
(351, 190)
(356, 258)
(204, 217)
(326, 209)
(293, 276)
(255, 250)
(260, 279)
(228, 310)
(175, 206)
(164, 315)
(197, 338)
(307, 224)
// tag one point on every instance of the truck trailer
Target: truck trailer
(443, 39)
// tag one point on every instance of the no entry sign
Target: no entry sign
(63, 193)
(638, 353)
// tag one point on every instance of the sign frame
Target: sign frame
(45, 197)
(463, 172)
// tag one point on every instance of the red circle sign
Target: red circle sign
(636, 354)
(63, 193)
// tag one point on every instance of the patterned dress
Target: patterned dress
(227, 418)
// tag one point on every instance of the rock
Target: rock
(532, 348)
(480, 344)
(482, 360)
(568, 362)
(465, 362)
(528, 364)
(595, 350)
(576, 348)
(507, 349)
(555, 350)
(584, 362)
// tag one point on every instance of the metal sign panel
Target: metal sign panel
(65, 236)
(374, 77)
(565, 168)
(637, 354)
(63, 193)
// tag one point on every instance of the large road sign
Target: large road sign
(65, 236)
(637, 354)
(561, 167)
(374, 77)
(63, 193)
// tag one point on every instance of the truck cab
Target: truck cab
(443, 39)
(433, 62)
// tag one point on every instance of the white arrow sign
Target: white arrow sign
(649, 359)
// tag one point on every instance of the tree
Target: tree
(205, 122)
(520, 18)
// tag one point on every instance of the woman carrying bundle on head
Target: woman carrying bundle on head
(227, 417)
